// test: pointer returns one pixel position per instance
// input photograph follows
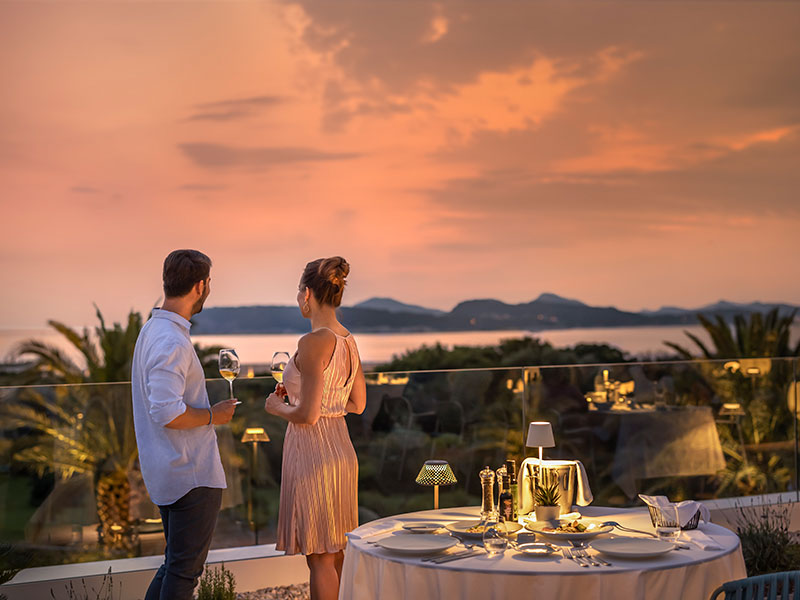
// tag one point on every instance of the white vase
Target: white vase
(547, 513)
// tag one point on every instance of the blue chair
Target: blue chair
(774, 586)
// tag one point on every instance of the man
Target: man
(174, 425)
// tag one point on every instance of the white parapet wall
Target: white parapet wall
(726, 511)
(254, 567)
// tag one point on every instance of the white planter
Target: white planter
(547, 513)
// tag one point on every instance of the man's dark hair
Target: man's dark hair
(182, 269)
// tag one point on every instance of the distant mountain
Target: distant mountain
(393, 306)
(667, 310)
(555, 299)
(723, 308)
(386, 315)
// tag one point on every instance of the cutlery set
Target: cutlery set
(583, 558)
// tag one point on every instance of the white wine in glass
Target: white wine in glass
(229, 366)
(279, 362)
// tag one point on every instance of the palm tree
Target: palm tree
(85, 429)
(759, 336)
(108, 359)
(82, 431)
(753, 342)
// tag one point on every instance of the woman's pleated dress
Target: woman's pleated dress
(319, 479)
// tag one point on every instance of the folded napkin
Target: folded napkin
(371, 529)
(699, 539)
(686, 509)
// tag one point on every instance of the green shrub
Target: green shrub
(217, 584)
(106, 591)
(766, 542)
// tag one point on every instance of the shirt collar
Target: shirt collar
(159, 313)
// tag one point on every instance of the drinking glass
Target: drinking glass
(279, 362)
(229, 365)
(495, 535)
(668, 527)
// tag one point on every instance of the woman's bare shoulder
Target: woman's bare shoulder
(316, 343)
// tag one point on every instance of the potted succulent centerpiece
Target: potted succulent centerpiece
(547, 498)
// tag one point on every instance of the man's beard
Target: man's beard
(197, 307)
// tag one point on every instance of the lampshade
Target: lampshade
(255, 434)
(540, 434)
(436, 472)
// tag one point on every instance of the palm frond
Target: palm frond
(679, 349)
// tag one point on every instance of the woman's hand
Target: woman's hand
(274, 403)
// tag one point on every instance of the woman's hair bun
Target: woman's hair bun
(334, 269)
(325, 277)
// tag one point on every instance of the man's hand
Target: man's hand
(222, 412)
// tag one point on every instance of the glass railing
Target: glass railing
(71, 491)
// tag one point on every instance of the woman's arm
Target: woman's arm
(314, 351)
(358, 395)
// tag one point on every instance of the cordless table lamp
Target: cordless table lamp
(436, 473)
(540, 435)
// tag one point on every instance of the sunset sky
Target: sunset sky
(629, 154)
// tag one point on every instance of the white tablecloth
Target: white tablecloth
(370, 572)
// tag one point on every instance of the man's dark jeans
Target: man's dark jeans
(188, 526)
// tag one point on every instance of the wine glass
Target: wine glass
(229, 365)
(279, 362)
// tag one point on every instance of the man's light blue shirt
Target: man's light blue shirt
(166, 377)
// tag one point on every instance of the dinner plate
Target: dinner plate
(630, 547)
(460, 527)
(422, 527)
(534, 549)
(592, 530)
(418, 545)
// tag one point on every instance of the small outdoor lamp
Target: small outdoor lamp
(540, 434)
(254, 435)
(436, 473)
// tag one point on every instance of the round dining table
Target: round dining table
(686, 573)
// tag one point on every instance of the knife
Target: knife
(450, 557)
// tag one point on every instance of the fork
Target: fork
(623, 528)
(581, 551)
(568, 554)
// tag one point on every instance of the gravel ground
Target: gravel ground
(289, 592)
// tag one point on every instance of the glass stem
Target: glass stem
(230, 383)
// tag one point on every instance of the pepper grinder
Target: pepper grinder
(487, 496)
(500, 473)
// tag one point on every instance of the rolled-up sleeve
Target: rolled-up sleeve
(166, 383)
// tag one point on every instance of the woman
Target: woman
(323, 381)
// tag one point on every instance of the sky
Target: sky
(628, 154)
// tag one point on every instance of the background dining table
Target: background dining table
(370, 571)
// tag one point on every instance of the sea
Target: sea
(376, 348)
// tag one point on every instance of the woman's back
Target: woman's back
(337, 379)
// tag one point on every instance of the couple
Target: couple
(177, 443)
